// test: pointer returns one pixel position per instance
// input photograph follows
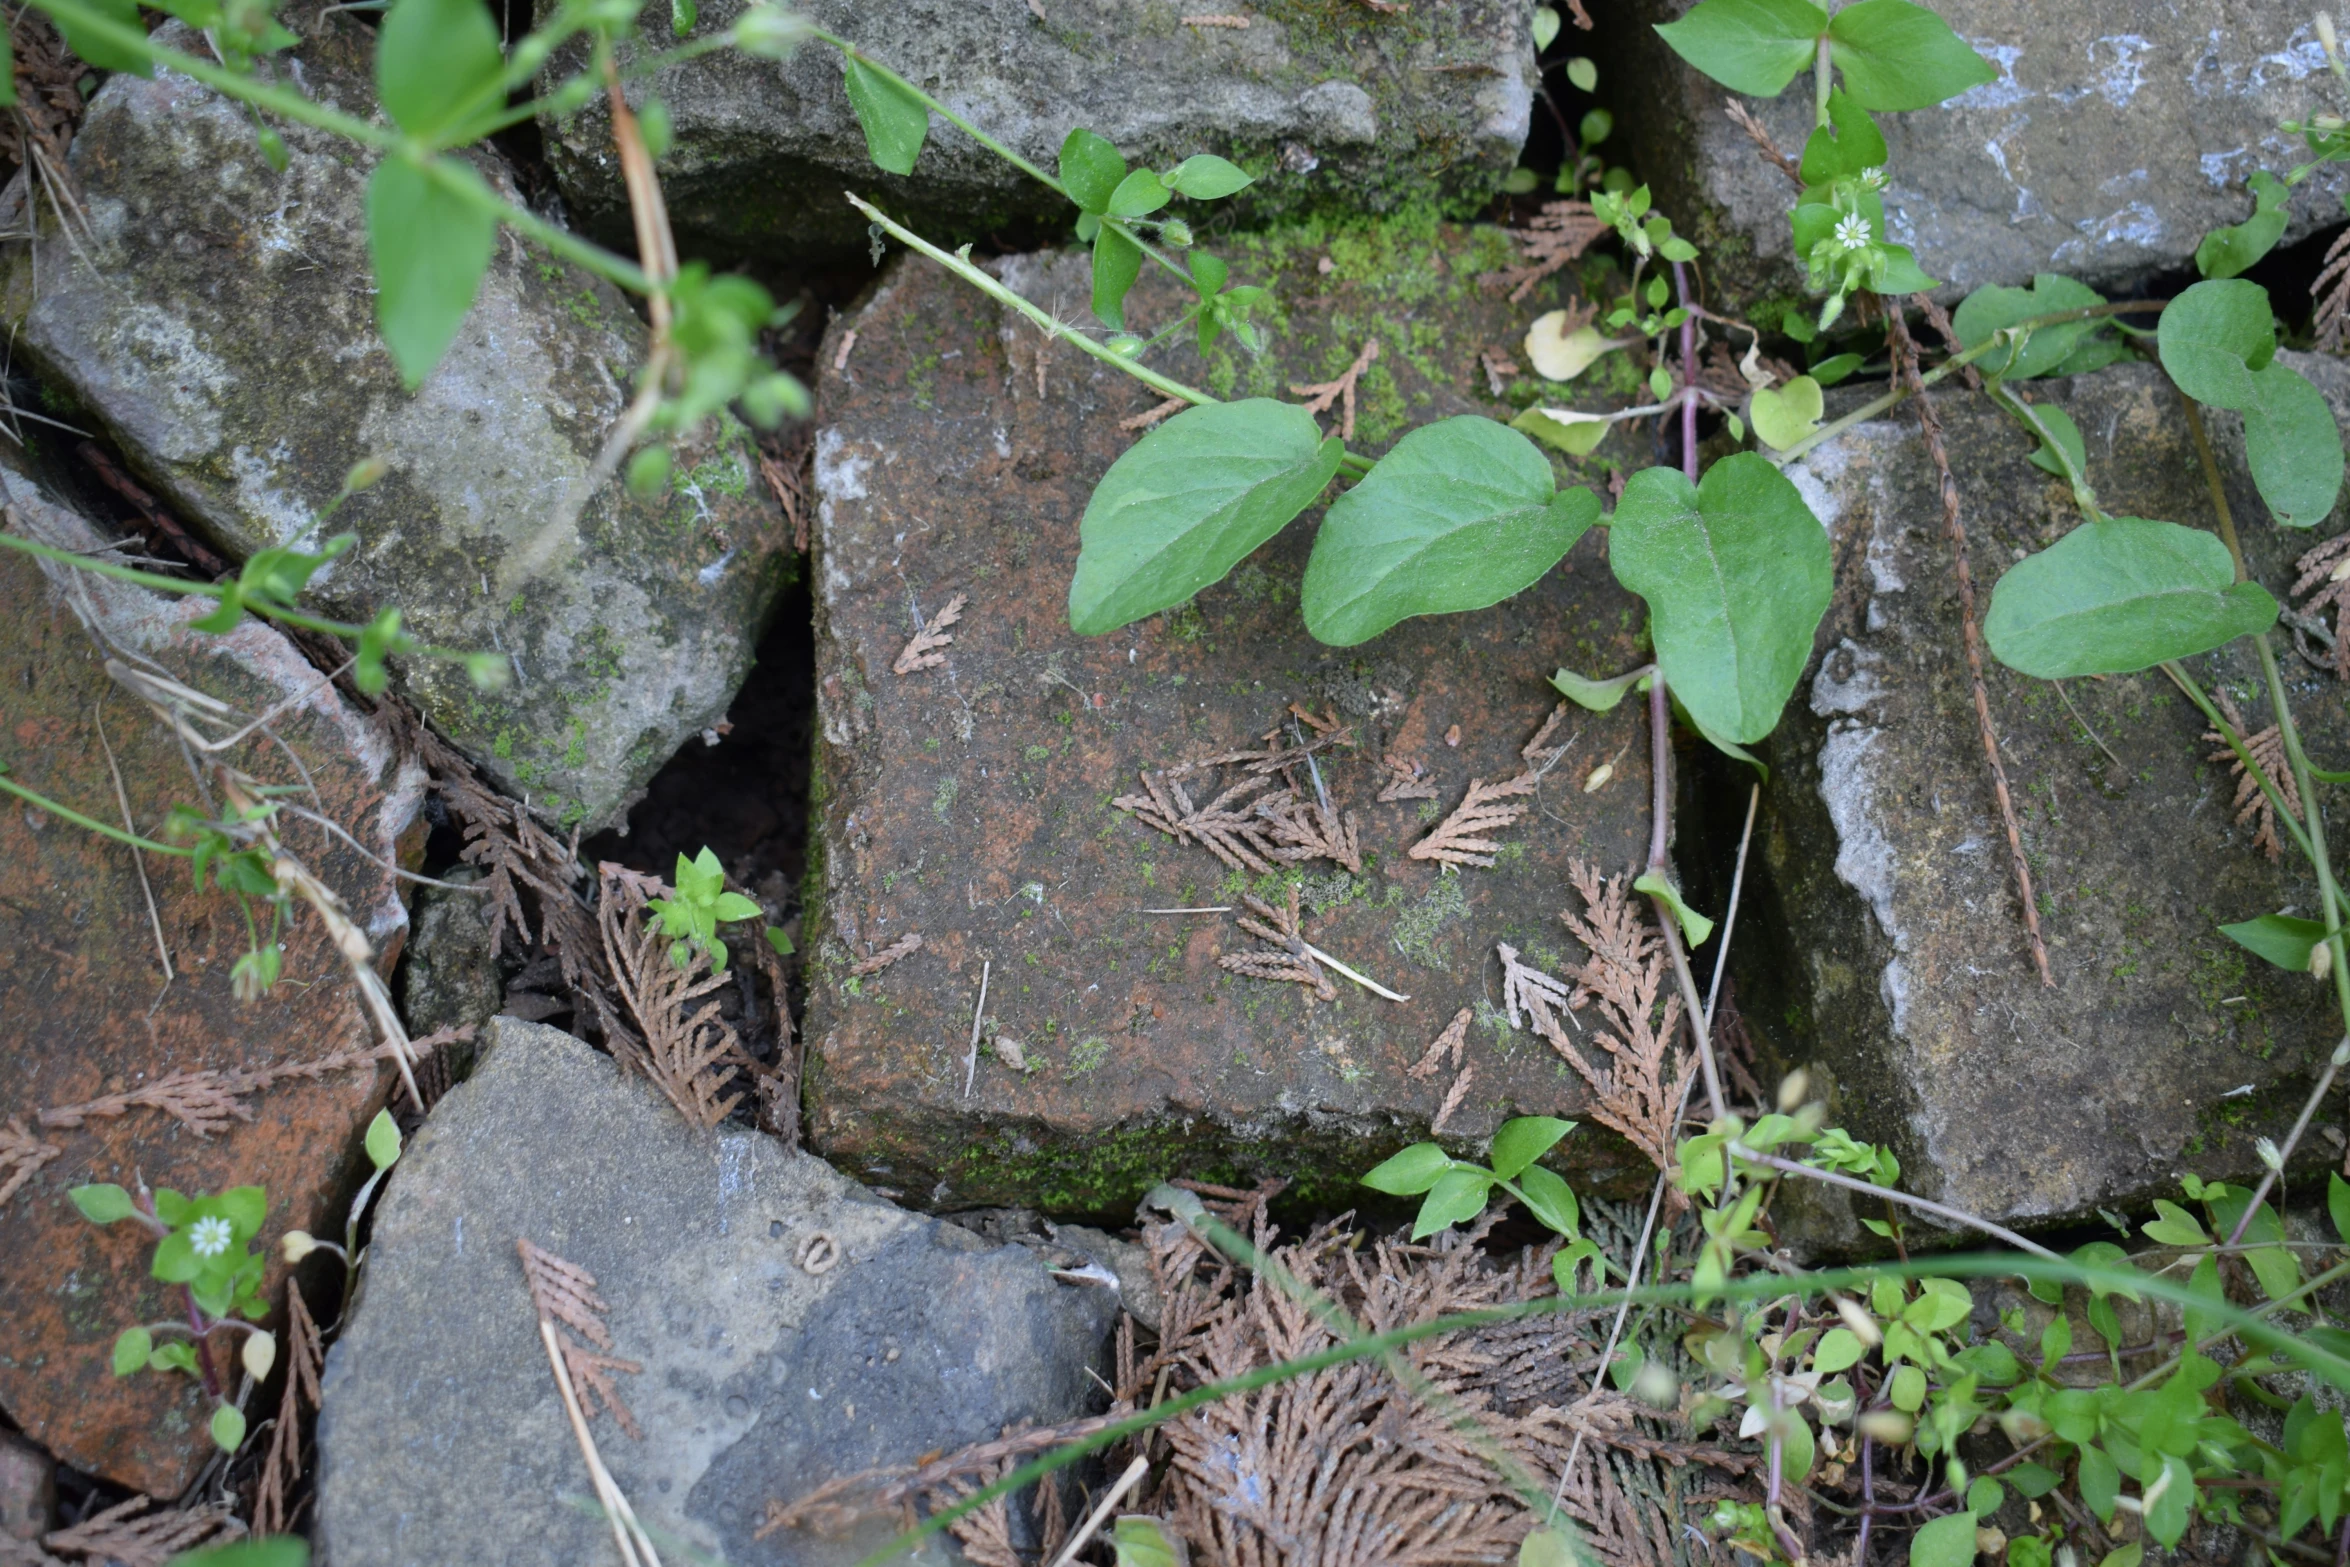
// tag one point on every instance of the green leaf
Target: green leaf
(2101, 1482)
(1695, 927)
(1986, 310)
(2214, 337)
(103, 1204)
(1117, 262)
(383, 1140)
(2227, 251)
(1189, 502)
(2293, 447)
(2033, 1480)
(2121, 595)
(1798, 1449)
(1754, 47)
(780, 940)
(734, 906)
(172, 1208)
(228, 1428)
(1897, 56)
(1140, 1542)
(1576, 437)
(439, 71)
(1848, 145)
(2338, 1204)
(99, 52)
(173, 1355)
(1459, 1193)
(1520, 1142)
(1599, 696)
(1461, 514)
(2060, 441)
(1948, 1541)
(1984, 1496)
(1785, 415)
(1551, 1200)
(1548, 1547)
(245, 1208)
(894, 120)
(1090, 169)
(2173, 1226)
(1410, 1172)
(8, 69)
(430, 249)
(1205, 177)
(1840, 1350)
(132, 1346)
(283, 1550)
(2172, 1484)
(2283, 939)
(1835, 368)
(1137, 195)
(1737, 574)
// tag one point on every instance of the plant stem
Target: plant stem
(2244, 758)
(1955, 1215)
(979, 279)
(10, 786)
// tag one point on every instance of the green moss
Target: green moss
(1416, 930)
(944, 800)
(1088, 1054)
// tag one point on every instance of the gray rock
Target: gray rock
(449, 974)
(1891, 950)
(1334, 107)
(222, 329)
(442, 1438)
(2112, 140)
(28, 1489)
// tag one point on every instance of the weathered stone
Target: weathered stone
(28, 1489)
(1334, 108)
(86, 1010)
(1887, 944)
(2111, 142)
(223, 329)
(449, 976)
(443, 1438)
(970, 803)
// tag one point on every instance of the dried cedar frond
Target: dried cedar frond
(1321, 394)
(1529, 995)
(1452, 1098)
(1310, 830)
(1638, 1084)
(2331, 292)
(200, 1101)
(21, 1156)
(2268, 749)
(1291, 963)
(564, 1293)
(923, 651)
(1556, 235)
(1406, 781)
(128, 1534)
(1460, 839)
(305, 1355)
(2325, 577)
(905, 946)
(1238, 837)
(1454, 1041)
(1764, 142)
(591, 1379)
(690, 1052)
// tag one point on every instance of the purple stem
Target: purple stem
(1688, 375)
(203, 1343)
(1868, 1497)
(1660, 712)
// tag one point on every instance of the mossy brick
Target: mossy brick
(971, 802)
(1334, 106)
(2111, 141)
(1886, 944)
(218, 320)
(87, 1012)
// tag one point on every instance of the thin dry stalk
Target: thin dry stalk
(138, 860)
(922, 652)
(1905, 358)
(1462, 838)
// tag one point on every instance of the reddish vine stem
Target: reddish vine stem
(1905, 357)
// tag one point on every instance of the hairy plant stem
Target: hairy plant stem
(1957, 362)
(978, 278)
(10, 786)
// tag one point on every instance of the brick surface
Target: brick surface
(970, 802)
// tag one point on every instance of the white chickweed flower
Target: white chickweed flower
(1876, 178)
(1852, 233)
(209, 1237)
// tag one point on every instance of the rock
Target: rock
(28, 1489)
(442, 1437)
(86, 1010)
(1335, 108)
(1889, 948)
(450, 977)
(2111, 142)
(1126, 1262)
(225, 336)
(970, 803)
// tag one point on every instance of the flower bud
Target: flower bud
(769, 31)
(1176, 232)
(260, 1353)
(2270, 1155)
(1794, 1088)
(1864, 1327)
(365, 472)
(1889, 1426)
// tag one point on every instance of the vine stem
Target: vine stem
(977, 277)
(68, 813)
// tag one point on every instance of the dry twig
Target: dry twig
(1320, 395)
(1460, 839)
(922, 652)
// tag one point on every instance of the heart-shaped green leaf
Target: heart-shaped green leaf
(1848, 145)
(2293, 446)
(894, 120)
(1189, 502)
(2214, 337)
(2120, 595)
(1986, 310)
(1737, 573)
(1546, 27)
(1784, 415)
(1897, 56)
(1461, 514)
(1458, 1195)
(2225, 252)
(383, 1140)
(1754, 47)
